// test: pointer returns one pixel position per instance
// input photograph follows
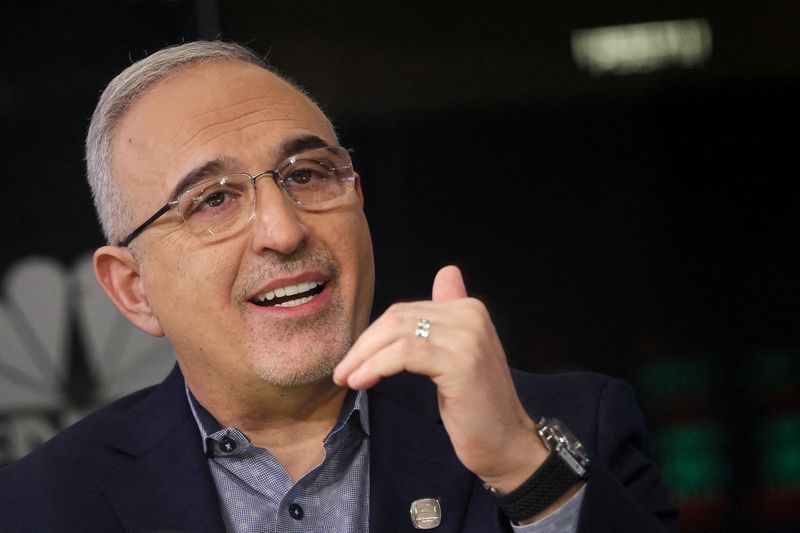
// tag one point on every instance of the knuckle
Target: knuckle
(477, 309)
(394, 308)
(477, 304)
(407, 344)
(394, 315)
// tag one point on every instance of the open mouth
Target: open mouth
(290, 295)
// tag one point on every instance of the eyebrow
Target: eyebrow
(222, 165)
(300, 144)
(209, 169)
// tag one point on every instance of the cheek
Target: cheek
(366, 262)
(188, 288)
(354, 245)
(365, 292)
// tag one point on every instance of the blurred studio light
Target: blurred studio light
(641, 48)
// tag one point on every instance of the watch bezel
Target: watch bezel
(562, 442)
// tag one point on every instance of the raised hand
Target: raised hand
(490, 431)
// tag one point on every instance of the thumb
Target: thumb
(448, 284)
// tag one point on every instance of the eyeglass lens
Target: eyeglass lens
(217, 208)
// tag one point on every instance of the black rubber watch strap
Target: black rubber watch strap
(538, 492)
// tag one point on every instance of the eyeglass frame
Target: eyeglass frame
(276, 177)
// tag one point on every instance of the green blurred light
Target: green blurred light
(665, 380)
(692, 460)
(771, 369)
(779, 452)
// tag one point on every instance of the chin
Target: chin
(302, 362)
(294, 372)
(301, 351)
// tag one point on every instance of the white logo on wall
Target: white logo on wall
(64, 350)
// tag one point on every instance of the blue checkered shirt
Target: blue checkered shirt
(257, 495)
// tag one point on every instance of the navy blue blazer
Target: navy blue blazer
(138, 464)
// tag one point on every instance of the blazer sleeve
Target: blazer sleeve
(624, 492)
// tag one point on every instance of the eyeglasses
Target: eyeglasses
(217, 208)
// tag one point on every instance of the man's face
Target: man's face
(206, 296)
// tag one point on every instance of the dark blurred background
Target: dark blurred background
(635, 215)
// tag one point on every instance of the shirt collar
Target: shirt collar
(354, 402)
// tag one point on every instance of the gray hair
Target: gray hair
(115, 214)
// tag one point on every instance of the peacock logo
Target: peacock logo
(64, 350)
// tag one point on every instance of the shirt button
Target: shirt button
(296, 512)
(227, 444)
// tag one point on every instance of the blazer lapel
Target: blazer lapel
(165, 484)
(411, 457)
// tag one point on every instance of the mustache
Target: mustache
(287, 265)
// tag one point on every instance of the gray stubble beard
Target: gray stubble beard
(330, 332)
(328, 338)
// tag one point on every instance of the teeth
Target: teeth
(295, 303)
(290, 290)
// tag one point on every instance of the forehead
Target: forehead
(215, 110)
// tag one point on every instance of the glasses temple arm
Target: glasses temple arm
(135, 233)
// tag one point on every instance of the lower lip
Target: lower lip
(311, 307)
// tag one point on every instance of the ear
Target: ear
(117, 271)
(359, 190)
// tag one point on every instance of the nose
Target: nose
(276, 224)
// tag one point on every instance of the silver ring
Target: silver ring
(423, 328)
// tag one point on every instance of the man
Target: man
(262, 281)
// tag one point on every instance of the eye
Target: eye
(211, 201)
(313, 181)
(214, 199)
(307, 176)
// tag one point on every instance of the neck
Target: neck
(272, 417)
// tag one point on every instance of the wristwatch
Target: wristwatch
(566, 465)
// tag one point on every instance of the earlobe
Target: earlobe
(359, 190)
(117, 272)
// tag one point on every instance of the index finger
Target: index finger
(398, 320)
